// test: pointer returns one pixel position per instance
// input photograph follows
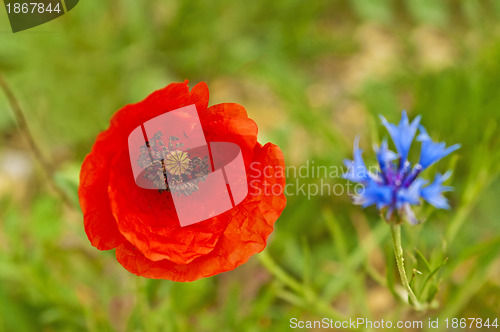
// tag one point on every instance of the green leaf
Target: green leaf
(421, 259)
(429, 278)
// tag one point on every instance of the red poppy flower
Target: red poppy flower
(142, 224)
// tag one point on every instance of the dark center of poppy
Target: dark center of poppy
(170, 169)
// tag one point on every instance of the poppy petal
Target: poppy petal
(100, 225)
(230, 123)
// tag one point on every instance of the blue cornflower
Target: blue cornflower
(396, 185)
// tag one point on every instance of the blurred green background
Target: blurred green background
(313, 75)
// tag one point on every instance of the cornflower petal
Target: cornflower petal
(374, 193)
(384, 155)
(431, 152)
(433, 193)
(410, 195)
(402, 135)
(409, 214)
(356, 169)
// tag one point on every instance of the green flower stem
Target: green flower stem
(398, 252)
(47, 168)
